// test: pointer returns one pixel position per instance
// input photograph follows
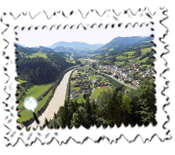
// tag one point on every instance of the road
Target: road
(71, 57)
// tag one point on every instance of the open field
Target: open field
(146, 41)
(75, 88)
(111, 49)
(68, 60)
(39, 54)
(93, 77)
(146, 65)
(143, 60)
(80, 98)
(145, 50)
(107, 53)
(82, 61)
(119, 63)
(97, 92)
(73, 82)
(130, 52)
(27, 114)
(73, 75)
(35, 92)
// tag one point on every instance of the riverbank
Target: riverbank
(56, 101)
(28, 118)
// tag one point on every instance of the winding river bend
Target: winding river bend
(55, 102)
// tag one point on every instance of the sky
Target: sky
(46, 37)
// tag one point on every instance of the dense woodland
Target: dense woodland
(41, 70)
(111, 108)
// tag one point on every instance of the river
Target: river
(55, 102)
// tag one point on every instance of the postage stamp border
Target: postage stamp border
(90, 19)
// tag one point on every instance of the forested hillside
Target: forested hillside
(142, 57)
(123, 44)
(41, 69)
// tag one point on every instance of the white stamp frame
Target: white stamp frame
(75, 18)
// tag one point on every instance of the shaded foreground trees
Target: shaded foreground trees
(111, 107)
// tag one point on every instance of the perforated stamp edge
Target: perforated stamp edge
(91, 18)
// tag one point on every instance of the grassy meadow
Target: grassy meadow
(35, 92)
(26, 114)
(97, 92)
(39, 54)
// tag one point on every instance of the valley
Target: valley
(122, 66)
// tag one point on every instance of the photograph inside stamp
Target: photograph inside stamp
(85, 76)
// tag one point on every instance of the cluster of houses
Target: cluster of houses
(85, 84)
(100, 82)
(126, 74)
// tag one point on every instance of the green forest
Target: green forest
(41, 70)
(111, 108)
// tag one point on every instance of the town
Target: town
(131, 76)
(86, 80)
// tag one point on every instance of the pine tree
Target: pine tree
(80, 118)
(55, 116)
(112, 112)
(46, 123)
(94, 106)
(67, 114)
(126, 106)
(62, 117)
(146, 103)
(147, 116)
(119, 108)
(102, 102)
(88, 108)
(133, 119)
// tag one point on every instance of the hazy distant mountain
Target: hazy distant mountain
(118, 44)
(43, 49)
(21, 48)
(64, 49)
(77, 46)
(121, 43)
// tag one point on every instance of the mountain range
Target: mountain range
(116, 45)
(123, 43)
(79, 47)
